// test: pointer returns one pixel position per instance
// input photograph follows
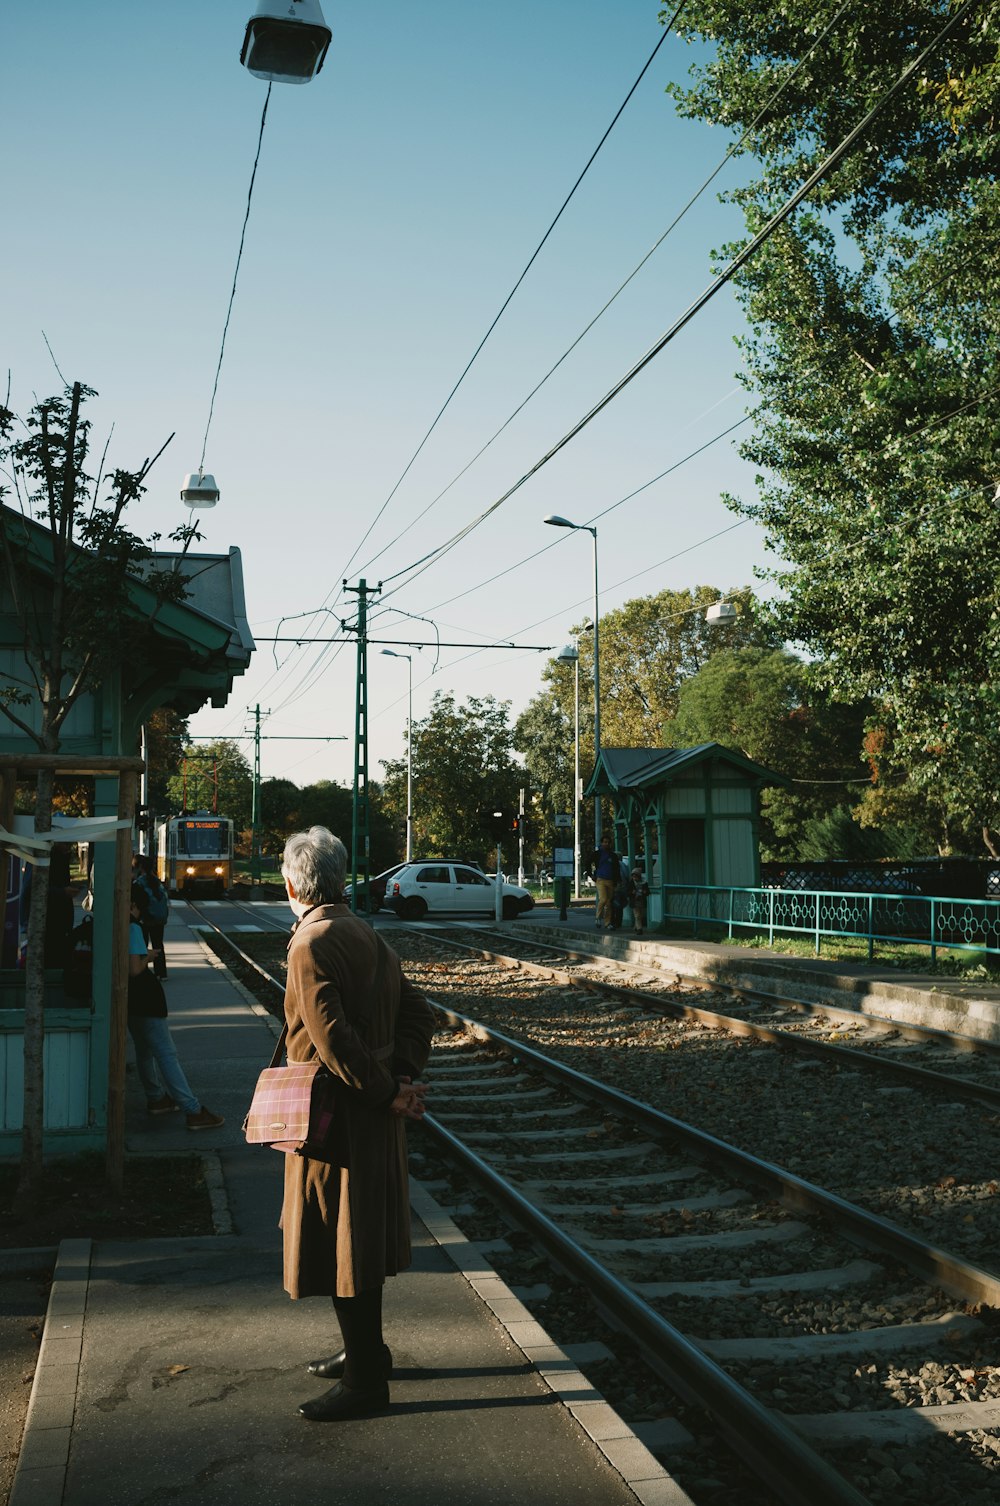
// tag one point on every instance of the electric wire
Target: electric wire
(665, 33)
(311, 674)
(916, 516)
(831, 161)
(825, 167)
(527, 268)
(236, 273)
(733, 150)
(319, 667)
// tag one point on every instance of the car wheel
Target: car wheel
(413, 908)
(510, 907)
(527, 904)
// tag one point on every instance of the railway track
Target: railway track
(740, 1283)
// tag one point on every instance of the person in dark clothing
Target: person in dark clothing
(144, 874)
(59, 915)
(161, 1074)
(605, 870)
(638, 894)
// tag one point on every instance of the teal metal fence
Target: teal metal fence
(924, 920)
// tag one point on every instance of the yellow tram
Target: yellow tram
(194, 853)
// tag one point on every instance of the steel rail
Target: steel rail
(961, 1279)
(905, 1028)
(268, 977)
(968, 1282)
(925, 1077)
(775, 1453)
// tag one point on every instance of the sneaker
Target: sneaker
(164, 1105)
(204, 1119)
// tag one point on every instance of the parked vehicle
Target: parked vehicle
(441, 886)
(376, 884)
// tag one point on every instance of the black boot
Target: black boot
(333, 1368)
(341, 1402)
(364, 1364)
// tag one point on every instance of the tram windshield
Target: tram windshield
(202, 839)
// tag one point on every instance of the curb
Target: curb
(40, 1475)
(623, 1449)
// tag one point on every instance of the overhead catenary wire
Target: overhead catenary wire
(735, 148)
(844, 146)
(305, 683)
(831, 161)
(335, 592)
(236, 273)
(526, 269)
(310, 675)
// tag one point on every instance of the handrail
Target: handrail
(970, 925)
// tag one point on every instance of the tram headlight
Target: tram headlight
(189, 869)
(219, 869)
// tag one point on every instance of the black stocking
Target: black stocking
(360, 1320)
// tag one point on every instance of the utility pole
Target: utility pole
(520, 837)
(255, 815)
(360, 815)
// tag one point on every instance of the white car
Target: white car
(451, 887)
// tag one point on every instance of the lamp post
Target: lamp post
(391, 653)
(571, 655)
(556, 521)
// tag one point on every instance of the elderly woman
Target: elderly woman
(346, 1223)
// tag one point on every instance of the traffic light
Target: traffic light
(515, 824)
(143, 818)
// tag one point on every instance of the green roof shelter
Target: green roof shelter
(690, 816)
(193, 650)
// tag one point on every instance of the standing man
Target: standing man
(605, 870)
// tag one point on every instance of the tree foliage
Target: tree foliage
(214, 776)
(463, 769)
(766, 705)
(649, 648)
(874, 353)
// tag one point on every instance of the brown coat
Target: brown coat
(347, 1226)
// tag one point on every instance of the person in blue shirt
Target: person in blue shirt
(144, 874)
(605, 870)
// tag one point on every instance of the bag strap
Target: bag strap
(279, 1048)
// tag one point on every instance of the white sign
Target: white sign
(563, 820)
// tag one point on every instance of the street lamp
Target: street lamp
(391, 653)
(286, 41)
(571, 655)
(556, 521)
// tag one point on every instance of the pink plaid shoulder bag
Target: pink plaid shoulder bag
(293, 1107)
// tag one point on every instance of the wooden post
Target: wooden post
(114, 1164)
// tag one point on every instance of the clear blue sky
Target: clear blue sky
(397, 199)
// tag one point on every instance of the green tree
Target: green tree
(215, 776)
(545, 735)
(166, 736)
(875, 346)
(74, 631)
(649, 648)
(280, 802)
(463, 768)
(765, 704)
(327, 803)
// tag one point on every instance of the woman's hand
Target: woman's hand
(409, 1100)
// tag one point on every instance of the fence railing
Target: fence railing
(923, 920)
